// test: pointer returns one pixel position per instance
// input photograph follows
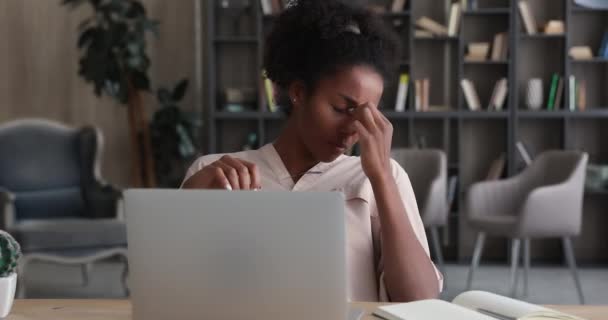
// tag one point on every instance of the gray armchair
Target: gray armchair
(52, 199)
(544, 201)
(427, 170)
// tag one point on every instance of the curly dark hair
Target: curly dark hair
(311, 39)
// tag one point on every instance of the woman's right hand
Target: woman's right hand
(226, 173)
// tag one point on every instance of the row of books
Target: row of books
(430, 28)
(497, 100)
(577, 93)
(422, 88)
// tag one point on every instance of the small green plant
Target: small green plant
(10, 252)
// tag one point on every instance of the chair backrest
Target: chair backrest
(427, 169)
(44, 168)
(563, 211)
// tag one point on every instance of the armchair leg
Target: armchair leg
(21, 278)
(526, 254)
(569, 254)
(86, 269)
(437, 248)
(515, 244)
(476, 257)
(124, 276)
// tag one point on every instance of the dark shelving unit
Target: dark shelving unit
(471, 139)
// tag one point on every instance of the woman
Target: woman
(329, 61)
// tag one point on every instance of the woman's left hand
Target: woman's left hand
(375, 138)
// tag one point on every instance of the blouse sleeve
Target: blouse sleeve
(409, 200)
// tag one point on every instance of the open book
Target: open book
(471, 305)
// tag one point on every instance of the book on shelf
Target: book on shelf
(477, 51)
(572, 93)
(559, 94)
(581, 95)
(470, 305)
(528, 17)
(499, 95)
(500, 47)
(270, 97)
(418, 33)
(496, 167)
(452, 185)
(398, 6)
(470, 94)
(552, 91)
(432, 26)
(580, 53)
(425, 94)
(523, 153)
(402, 91)
(603, 51)
(454, 21)
(418, 95)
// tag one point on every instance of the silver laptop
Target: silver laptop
(202, 254)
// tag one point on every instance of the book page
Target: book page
(507, 307)
(428, 309)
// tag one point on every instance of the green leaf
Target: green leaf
(86, 37)
(180, 90)
(164, 96)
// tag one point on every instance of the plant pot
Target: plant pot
(8, 285)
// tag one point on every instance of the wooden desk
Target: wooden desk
(121, 310)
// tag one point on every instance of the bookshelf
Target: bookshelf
(471, 139)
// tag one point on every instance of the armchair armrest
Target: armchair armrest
(435, 206)
(101, 200)
(497, 197)
(7, 209)
(559, 203)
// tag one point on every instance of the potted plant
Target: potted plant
(113, 58)
(10, 252)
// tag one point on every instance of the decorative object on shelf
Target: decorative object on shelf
(528, 17)
(534, 94)
(252, 142)
(477, 51)
(593, 4)
(554, 27)
(236, 10)
(171, 133)
(10, 253)
(580, 53)
(271, 99)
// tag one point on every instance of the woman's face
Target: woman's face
(324, 119)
